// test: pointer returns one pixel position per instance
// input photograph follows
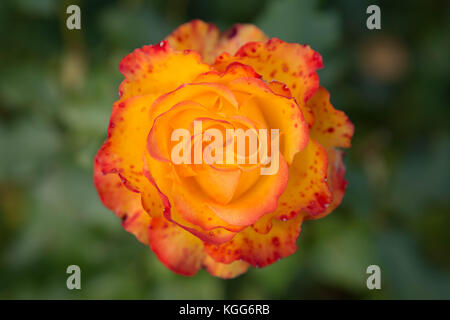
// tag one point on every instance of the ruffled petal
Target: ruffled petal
(184, 253)
(225, 271)
(124, 203)
(206, 39)
(290, 63)
(336, 182)
(307, 189)
(331, 128)
(158, 69)
(123, 151)
(196, 35)
(177, 249)
(259, 249)
(238, 35)
(137, 224)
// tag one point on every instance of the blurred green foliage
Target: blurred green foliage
(56, 91)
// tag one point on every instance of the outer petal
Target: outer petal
(123, 202)
(225, 271)
(177, 249)
(331, 128)
(196, 35)
(259, 249)
(184, 253)
(123, 151)
(292, 64)
(307, 189)
(336, 182)
(158, 69)
(205, 39)
(238, 35)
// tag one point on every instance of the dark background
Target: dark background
(56, 93)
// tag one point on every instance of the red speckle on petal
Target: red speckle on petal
(276, 241)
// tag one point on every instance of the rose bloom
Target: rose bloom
(221, 216)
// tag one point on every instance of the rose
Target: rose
(221, 215)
